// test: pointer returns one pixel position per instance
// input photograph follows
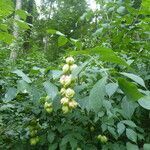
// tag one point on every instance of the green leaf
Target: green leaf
(62, 40)
(145, 102)
(22, 14)
(135, 78)
(78, 70)
(130, 146)
(128, 108)
(50, 136)
(145, 7)
(2, 82)
(132, 135)
(50, 89)
(106, 54)
(111, 88)
(98, 32)
(3, 27)
(130, 89)
(10, 94)
(22, 24)
(66, 139)
(59, 33)
(84, 103)
(146, 146)
(51, 31)
(120, 128)
(23, 86)
(107, 105)
(6, 8)
(56, 74)
(6, 106)
(53, 146)
(113, 132)
(6, 37)
(78, 45)
(22, 75)
(97, 94)
(129, 123)
(121, 10)
(73, 143)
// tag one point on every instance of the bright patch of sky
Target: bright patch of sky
(38, 4)
(91, 3)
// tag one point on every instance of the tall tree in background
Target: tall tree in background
(61, 15)
(29, 8)
(14, 46)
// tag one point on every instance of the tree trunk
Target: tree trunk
(45, 41)
(14, 46)
(29, 20)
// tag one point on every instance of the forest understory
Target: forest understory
(74, 75)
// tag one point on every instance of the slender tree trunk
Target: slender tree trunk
(29, 20)
(45, 41)
(14, 46)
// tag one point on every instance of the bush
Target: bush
(109, 114)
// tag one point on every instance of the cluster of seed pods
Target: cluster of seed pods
(67, 81)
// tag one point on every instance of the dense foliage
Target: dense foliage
(74, 78)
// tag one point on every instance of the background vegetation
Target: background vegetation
(110, 45)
